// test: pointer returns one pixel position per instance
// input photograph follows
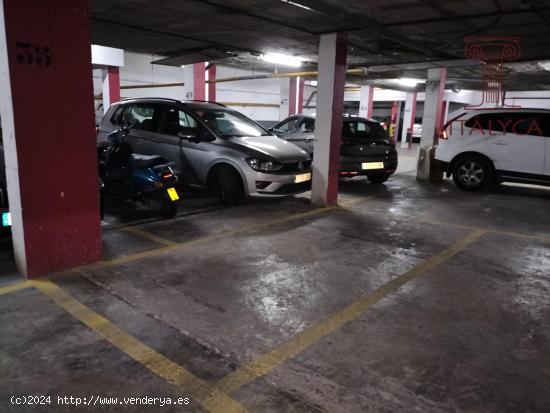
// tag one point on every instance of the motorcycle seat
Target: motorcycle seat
(145, 161)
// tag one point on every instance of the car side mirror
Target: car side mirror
(189, 134)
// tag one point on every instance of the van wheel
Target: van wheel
(229, 185)
(473, 173)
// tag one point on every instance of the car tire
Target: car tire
(229, 185)
(378, 177)
(473, 173)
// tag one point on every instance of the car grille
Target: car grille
(295, 167)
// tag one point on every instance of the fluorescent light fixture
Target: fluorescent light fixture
(293, 3)
(409, 82)
(281, 59)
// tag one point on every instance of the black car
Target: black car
(366, 146)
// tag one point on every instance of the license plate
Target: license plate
(302, 178)
(173, 194)
(6, 219)
(372, 165)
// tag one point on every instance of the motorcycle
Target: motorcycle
(124, 175)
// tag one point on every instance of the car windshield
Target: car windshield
(363, 129)
(228, 123)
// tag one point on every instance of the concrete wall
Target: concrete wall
(138, 70)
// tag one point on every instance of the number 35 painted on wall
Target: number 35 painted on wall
(28, 54)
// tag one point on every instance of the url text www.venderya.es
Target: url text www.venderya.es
(95, 400)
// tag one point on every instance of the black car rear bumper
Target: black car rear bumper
(354, 166)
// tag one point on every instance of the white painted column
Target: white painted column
(328, 124)
(432, 121)
(189, 82)
(10, 151)
(408, 117)
(366, 101)
(284, 108)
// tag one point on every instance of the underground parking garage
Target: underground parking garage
(274, 206)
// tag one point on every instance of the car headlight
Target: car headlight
(263, 165)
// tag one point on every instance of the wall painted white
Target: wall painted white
(138, 70)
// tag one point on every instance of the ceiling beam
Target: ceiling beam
(370, 25)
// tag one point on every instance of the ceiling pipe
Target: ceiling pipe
(356, 71)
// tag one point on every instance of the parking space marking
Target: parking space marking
(15, 287)
(289, 349)
(182, 245)
(209, 397)
(150, 236)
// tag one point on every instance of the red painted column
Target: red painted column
(366, 101)
(300, 103)
(370, 109)
(212, 84)
(441, 118)
(413, 110)
(199, 81)
(114, 84)
(328, 124)
(440, 104)
(50, 140)
(394, 121)
(111, 86)
(292, 96)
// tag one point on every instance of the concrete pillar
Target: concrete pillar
(291, 96)
(111, 86)
(366, 101)
(195, 81)
(408, 118)
(394, 120)
(211, 86)
(48, 131)
(432, 122)
(300, 85)
(328, 124)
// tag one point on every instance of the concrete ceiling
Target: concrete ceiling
(393, 38)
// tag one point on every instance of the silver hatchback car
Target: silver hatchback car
(213, 146)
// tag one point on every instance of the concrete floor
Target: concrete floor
(408, 297)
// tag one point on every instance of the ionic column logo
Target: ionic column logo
(493, 52)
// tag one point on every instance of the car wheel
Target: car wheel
(378, 177)
(473, 173)
(229, 185)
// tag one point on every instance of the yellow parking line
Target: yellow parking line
(264, 364)
(146, 234)
(203, 240)
(488, 230)
(210, 398)
(15, 287)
